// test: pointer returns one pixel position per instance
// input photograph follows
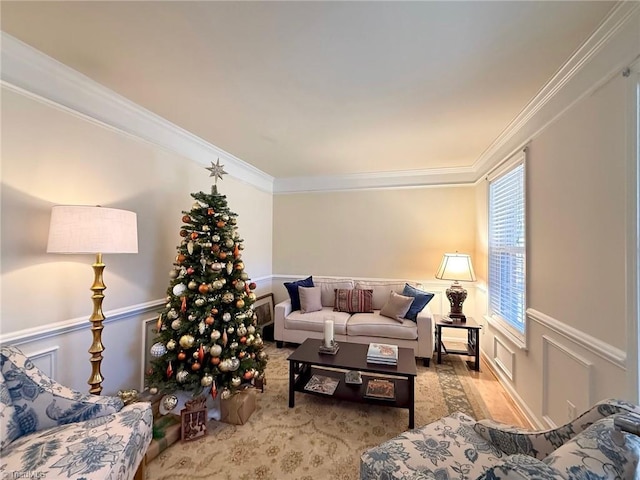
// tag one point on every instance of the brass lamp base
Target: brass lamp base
(96, 327)
(456, 295)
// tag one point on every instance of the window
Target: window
(507, 249)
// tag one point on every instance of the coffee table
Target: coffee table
(307, 361)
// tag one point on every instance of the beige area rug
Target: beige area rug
(320, 438)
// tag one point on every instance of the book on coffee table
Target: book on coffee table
(382, 353)
(380, 388)
(322, 384)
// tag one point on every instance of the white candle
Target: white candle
(328, 332)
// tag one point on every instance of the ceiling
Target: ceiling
(303, 89)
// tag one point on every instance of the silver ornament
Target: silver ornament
(171, 344)
(173, 274)
(228, 243)
(215, 335)
(235, 364)
(215, 238)
(192, 285)
(201, 327)
(216, 266)
(225, 217)
(215, 350)
(191, 317)
(236, 381)
(181, 376)
(234, 345)
(244, 276)
(251, 329)
(176, 324)
(227, 297)
(169, 402)
(239, 285)
(206, 381)
(224, 365)
(229, 268)
(179, 289)
(158, 349)
(230, 330)
(226, 316)
(153, 390)
(242, 330)
(200, 302)
(205, 228)
(225, 394)
(190, 246)
(172, 314)
(195, 354)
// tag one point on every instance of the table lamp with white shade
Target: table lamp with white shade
(456, 267)
(96, 230)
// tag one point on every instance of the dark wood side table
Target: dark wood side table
(473, 339)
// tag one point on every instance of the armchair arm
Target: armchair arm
(424, 321)
(282, 309)
(41, 402)
(539, 444)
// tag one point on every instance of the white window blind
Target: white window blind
(507, 249)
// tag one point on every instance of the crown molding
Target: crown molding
(39, 76)
(30, 72)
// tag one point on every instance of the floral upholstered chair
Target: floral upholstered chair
(458, 447)
(51, 431)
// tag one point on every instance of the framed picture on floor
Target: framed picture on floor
(193, 420)
(263, 307)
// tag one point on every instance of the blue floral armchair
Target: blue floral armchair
(50, 431)
(458, 447)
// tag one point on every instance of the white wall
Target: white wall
(577, 283)
(51, 156)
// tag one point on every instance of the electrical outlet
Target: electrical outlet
(571, 410)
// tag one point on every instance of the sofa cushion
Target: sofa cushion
(396, 307)
(381, 290)
(420, 300)
(9, 427)
(375, 325)
(292, 288)
(310, 299)
(328, 288)
(598, 452)
(353, 300)
(314, 321)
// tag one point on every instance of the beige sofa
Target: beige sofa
(296, 327)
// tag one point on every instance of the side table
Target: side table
(473, 338)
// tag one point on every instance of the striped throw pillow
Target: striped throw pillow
(353, 300)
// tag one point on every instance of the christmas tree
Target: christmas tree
(207, 339)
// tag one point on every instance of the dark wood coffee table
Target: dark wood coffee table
(307, 361)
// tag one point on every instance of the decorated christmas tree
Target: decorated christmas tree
(207, 340)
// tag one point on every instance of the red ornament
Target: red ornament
(220, 224)
(183, 307)
(225, 339)
(248, 375)
(203, 288)
(182, 356)
(243, 340)
(210, 211)
(194, 235)
(222, 255)
(159, 323)
(214, 311)
(252, 285)
(215, 360)
(180, 258)
(214, 391)
(186, 219)
(236, 251)
(215, 248)
(169, 370)
(190, 270)
(201, 353)
(149, 371)
(209, 320)
(183, 233)
(195, 366)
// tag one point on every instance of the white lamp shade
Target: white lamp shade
(456, 266)
(83, 229)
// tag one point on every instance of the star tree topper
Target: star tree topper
(217, 171)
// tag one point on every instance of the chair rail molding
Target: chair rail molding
(586, 341)
(67, 326)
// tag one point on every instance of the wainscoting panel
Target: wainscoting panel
(563, 400)
(503, 357)
(45, 359)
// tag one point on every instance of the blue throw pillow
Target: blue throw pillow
(420, 300)
(292, 288)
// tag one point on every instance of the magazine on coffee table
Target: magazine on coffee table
(381, 389)
(322, 384)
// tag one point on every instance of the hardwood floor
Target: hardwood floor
(499, 403)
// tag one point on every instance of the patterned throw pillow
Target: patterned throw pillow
(294, 295)
(421, 299)
(354, 300)
(396, 307)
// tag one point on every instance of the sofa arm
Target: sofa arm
(282, 309)
(541, 443)
(425, 333)
(41, 402)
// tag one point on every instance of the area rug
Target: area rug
(320, 438)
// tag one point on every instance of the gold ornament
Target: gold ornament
(186, 341)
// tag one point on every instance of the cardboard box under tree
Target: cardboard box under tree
(238, 408)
